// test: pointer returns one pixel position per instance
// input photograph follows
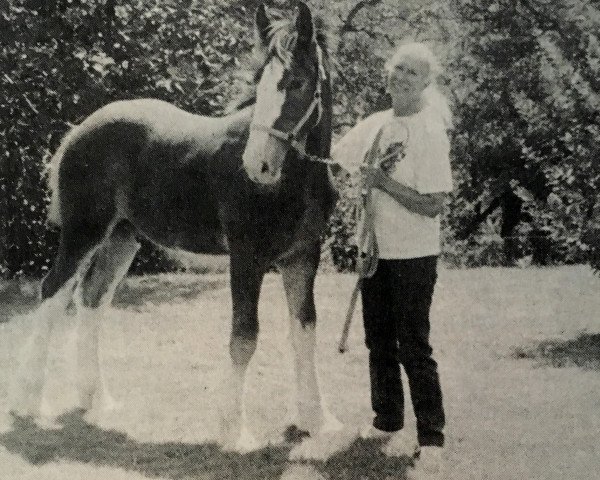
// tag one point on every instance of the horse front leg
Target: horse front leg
(313, 418)
(246, 280)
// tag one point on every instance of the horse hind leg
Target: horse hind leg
(29, 381)
(93, 296)
(76, 246)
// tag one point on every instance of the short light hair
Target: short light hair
(416, 50)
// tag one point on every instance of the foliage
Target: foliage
(524, 88)
(526, 120)
(527, 128)
(61, 60)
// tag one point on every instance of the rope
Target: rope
(328, 160)
(368, 253)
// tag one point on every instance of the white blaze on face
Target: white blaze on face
(262, 148)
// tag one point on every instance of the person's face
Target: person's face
(408, 78)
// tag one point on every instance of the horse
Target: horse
(245, 184)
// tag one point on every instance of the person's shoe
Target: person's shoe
(429, 465)
(369, 432)
(400, 444)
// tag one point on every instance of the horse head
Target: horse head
(288, 95)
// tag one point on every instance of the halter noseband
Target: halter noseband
(291, 137)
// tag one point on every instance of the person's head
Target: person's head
(410, 70)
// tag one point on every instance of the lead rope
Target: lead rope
(368, 250)
(368, 253)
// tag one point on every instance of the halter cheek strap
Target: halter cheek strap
(293, 133)
(291, 137)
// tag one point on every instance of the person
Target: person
(409, 181)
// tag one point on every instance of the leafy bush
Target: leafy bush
(62, 60)
(525, 92)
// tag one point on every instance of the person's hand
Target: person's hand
(340, 172)
(394, 149)
(393, 154)
(371, 177)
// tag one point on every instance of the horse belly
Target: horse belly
(174, 207)
(190, 237)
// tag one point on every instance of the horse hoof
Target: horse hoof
(244, 443)
(322, 446)
(301, 472)
(241, 445)
(25, 412)
(45, 422)
(85, 404)
(110, 405)
(331, 423)
(20, 413)
(93, 405)
(6, 422)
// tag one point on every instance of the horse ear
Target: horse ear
(304, 26)
(261, 26)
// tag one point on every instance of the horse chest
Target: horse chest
(270, 221)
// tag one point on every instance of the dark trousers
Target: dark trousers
(396, 303)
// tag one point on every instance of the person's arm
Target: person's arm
(428, 205)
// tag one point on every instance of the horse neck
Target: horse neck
(318, 187)
(318, 141)
(238, 123)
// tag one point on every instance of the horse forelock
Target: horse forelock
(282, 39)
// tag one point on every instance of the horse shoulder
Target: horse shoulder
(216, 137)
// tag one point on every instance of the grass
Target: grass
(583, 351)
(518, 351)
(78, 441)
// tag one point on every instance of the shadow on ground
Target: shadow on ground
(583, 351)
(79, 441)
(135, 292)
(138, 291)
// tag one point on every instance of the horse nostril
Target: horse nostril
(265, 168)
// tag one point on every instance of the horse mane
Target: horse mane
(282, 38)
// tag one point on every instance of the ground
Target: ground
(518, 349)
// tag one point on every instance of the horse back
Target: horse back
(146, 161)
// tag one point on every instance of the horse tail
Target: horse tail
(53, 167)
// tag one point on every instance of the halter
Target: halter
(291, 137)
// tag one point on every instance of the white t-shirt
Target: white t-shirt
(425, 167)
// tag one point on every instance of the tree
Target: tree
(525, 139)
(60, 60)
(524, 88)
(529, 127)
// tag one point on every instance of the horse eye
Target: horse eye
(295, 84)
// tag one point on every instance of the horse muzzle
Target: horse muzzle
(263, 160)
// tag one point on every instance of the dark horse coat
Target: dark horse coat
(145, 167)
